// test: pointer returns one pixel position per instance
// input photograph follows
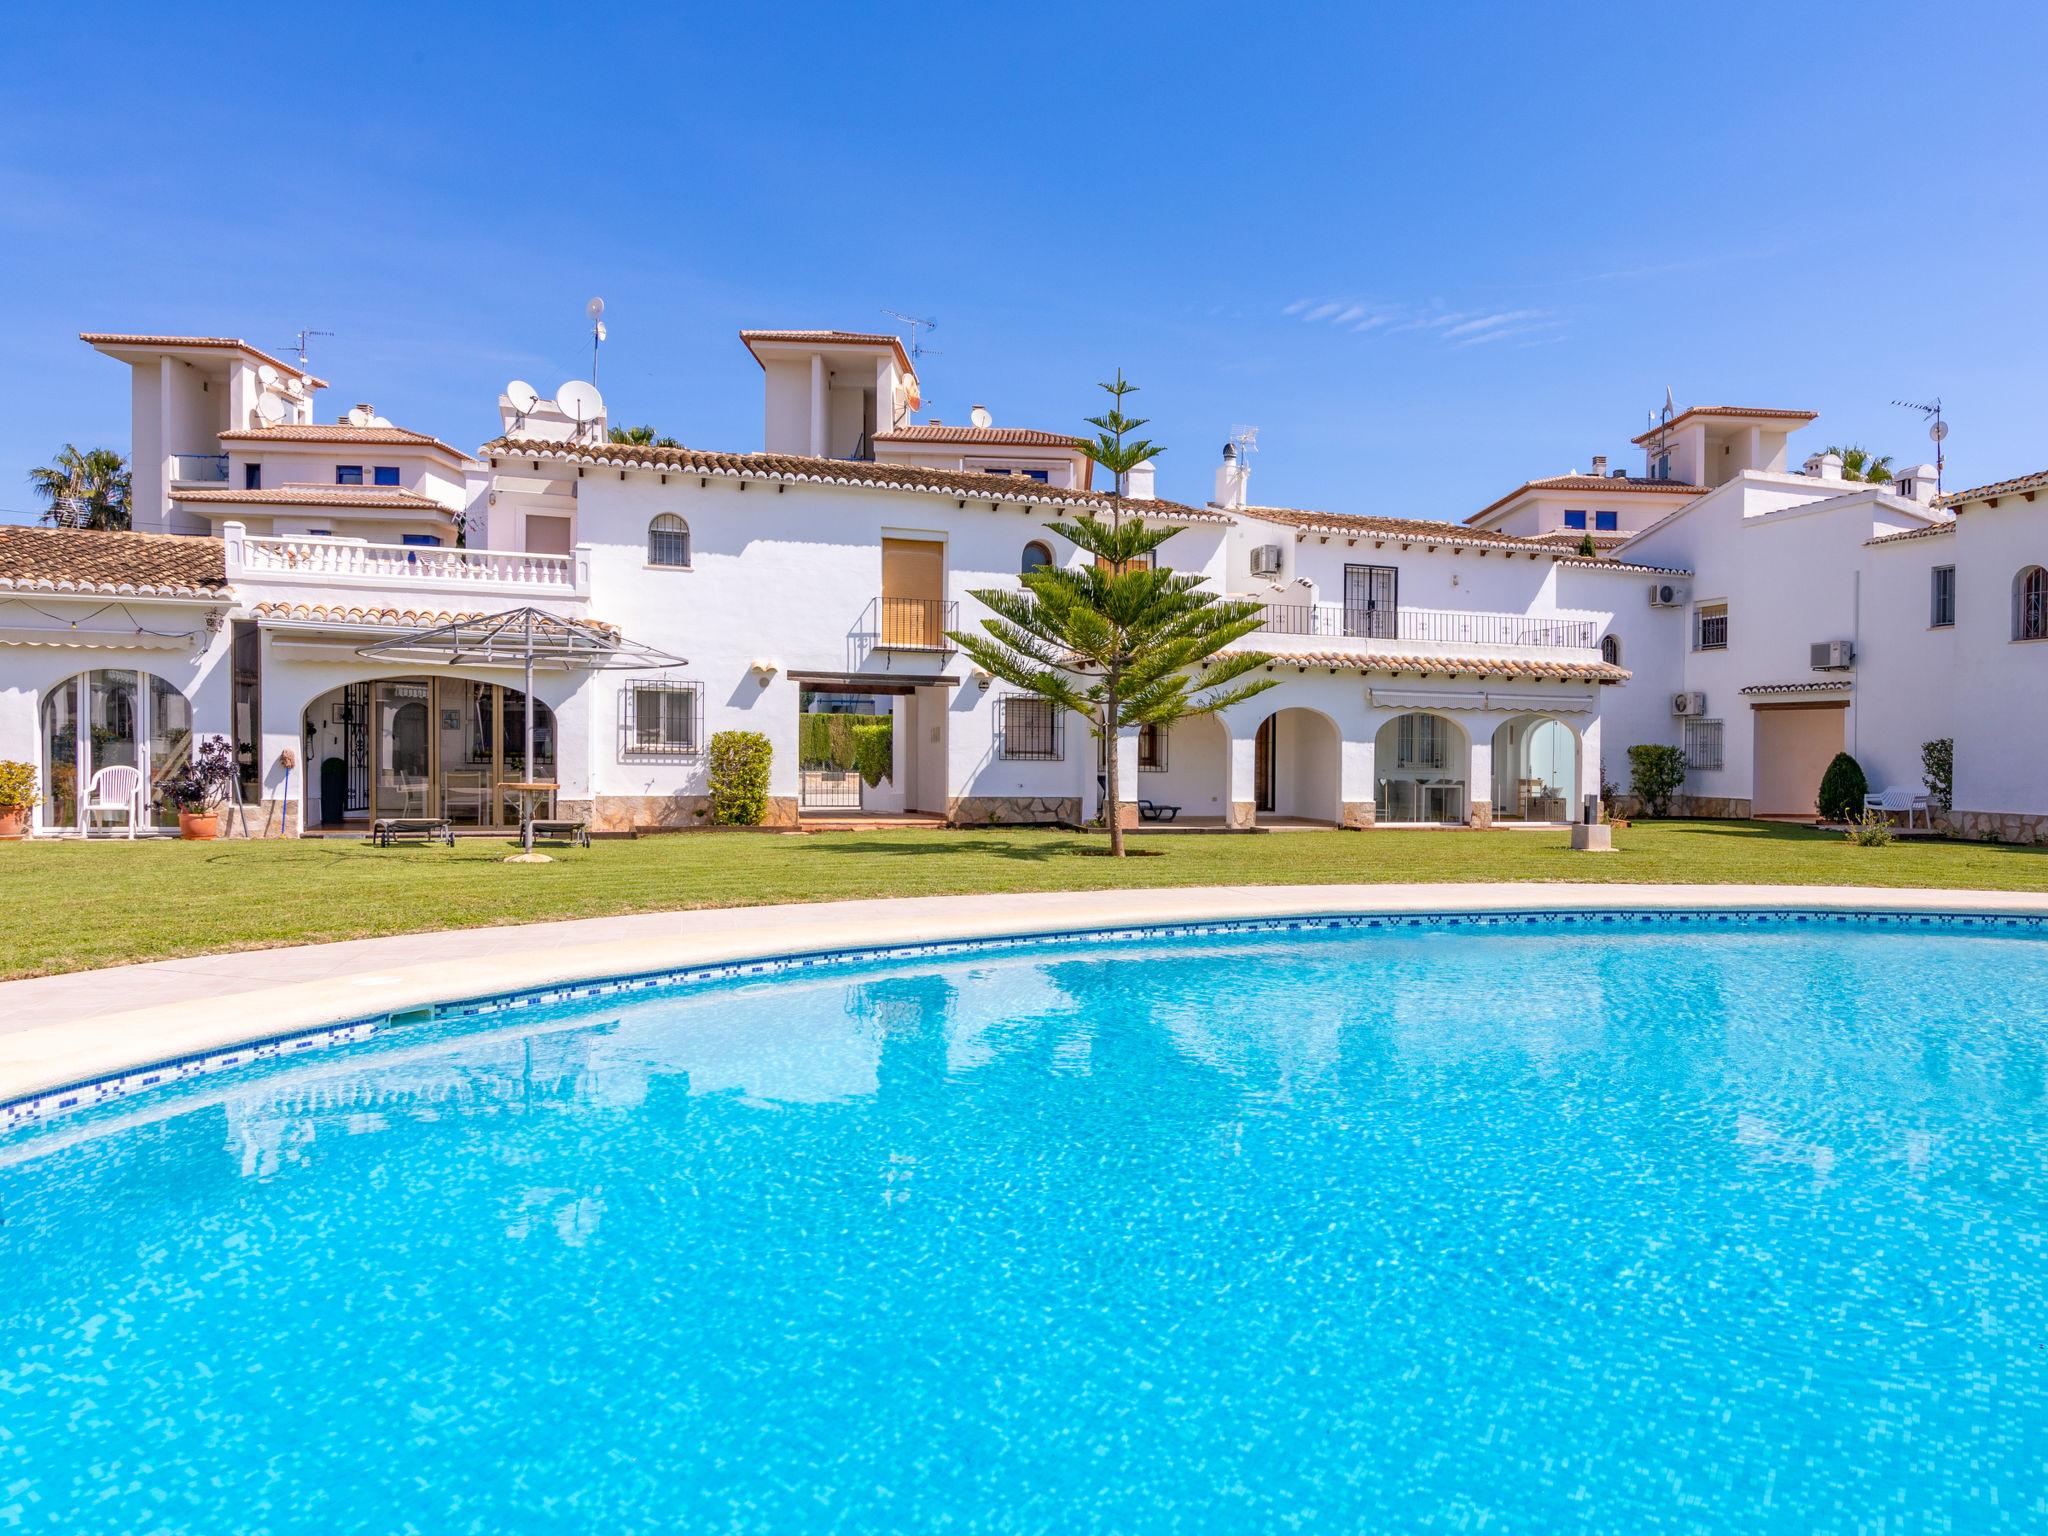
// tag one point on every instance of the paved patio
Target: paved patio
(56, 1030)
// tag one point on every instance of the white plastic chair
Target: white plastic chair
(115, 789)
(1897, 800)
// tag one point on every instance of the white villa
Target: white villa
(1429, 672)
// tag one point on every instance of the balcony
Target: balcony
(915, 624)
(1430, 627)
(353, 563)
(199, 468)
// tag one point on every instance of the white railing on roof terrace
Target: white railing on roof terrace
(1429, 626)
(349, 562)
(199, 467)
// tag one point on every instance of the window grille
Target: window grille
(1942, 606)
(668, 541)
(1703, 744)
(2030, 603)
(1610, 650)
(1710, 627)
(1032, 728)
(1420, 742)
(661, 720)
(1151, 749)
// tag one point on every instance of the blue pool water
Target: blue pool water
(1518, 1230)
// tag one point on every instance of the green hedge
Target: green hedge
(1842, 789)
(739, 778)
(874, 748)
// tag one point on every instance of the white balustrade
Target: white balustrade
(345, 560)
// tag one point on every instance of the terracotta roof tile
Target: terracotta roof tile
(354, 616)
(1469, 664)
(1006, 490)
(341, 433)
(362, 498)
(935, 432)
(2023, 485)
(1591, 484)
(1726, 410)
(222, 343)
(60, 560)
(1931, 531)
(841, 338)
(1838, 686)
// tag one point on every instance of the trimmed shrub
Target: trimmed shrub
(1871, 830)
(1938, 770)
(1842, 789)
(739, 778)
(1654, 774)
(874, 749)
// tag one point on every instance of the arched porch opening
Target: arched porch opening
(1297, 767)
(421, 746)
(112, 718)
(1535, 769)
(1420, 766)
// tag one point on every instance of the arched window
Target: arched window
(1037, 556)
(2030, 604)
(1610, 650)
(668, 541)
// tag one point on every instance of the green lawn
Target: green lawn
(69, 906)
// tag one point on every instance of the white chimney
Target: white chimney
(1915, 483)
(1827, 465)
(1600, 466)
(1138, 482)
(1231, 478)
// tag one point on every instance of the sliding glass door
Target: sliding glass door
(110, 719)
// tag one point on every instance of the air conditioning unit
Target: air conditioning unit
(1693, 704)
(1833, 656)
(1669, 594)
(1266, 560)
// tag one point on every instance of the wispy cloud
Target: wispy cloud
(1453, 327)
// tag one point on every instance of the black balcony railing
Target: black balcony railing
(1435, 625)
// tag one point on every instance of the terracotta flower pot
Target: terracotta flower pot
(13, 822)
(198, 826)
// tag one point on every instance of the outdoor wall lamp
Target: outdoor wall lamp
(983, 678)
(764, 672)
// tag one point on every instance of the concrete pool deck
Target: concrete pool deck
(59, 1030)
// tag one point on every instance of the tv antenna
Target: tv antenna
(299, 346)
(1937, 433)
(1247, 441)
(916, 323)
(595, 310)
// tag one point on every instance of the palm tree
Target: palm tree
(1862, 464)
(1117, 640)
(84, 489)
(642, 437)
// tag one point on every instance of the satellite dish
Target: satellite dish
(380, 421)
(601, 333)
(980, 416)
(594, 308)
(268, 376)
(579, 401)
(1938, 431)
(524, 396)
(359, 417)
(271, 409)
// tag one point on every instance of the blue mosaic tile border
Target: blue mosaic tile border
(42, 1107)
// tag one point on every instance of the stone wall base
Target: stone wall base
(1994, 826)
(269, 819)
(1360, 813)
(662, 813)
(1244, 815)
(1712, 807)
(1021, 810)
(1479, 813)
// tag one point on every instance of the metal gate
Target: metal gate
(828, 789)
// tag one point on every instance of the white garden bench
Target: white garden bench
(1899, 801)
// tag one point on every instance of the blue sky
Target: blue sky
(1428, 251)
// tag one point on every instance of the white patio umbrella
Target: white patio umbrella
(525, 636)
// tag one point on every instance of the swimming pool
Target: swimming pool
(1646, 1223)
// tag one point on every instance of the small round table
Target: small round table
(526, 789)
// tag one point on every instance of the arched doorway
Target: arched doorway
(421, 746)
(110, 719)
(1297, 759)
(1535, 769)
(1419, 768)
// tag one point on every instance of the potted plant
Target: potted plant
(196, 790)
(17, 798)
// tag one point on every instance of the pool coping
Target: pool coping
(86, 1028)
